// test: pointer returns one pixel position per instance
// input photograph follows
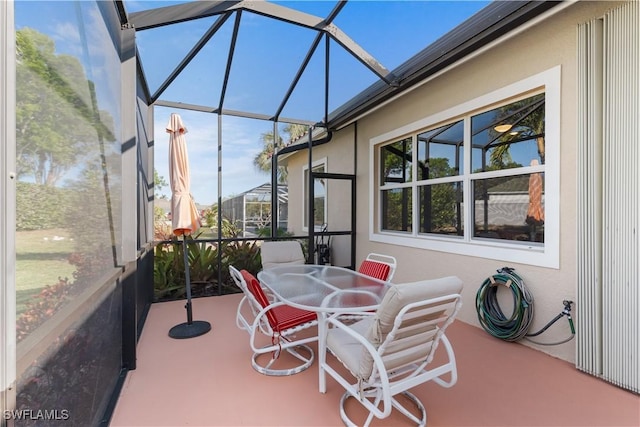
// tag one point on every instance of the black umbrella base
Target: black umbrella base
(190, 330)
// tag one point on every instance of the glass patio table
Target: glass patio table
(325, 290)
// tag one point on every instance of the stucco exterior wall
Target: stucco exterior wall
(339, 156)
(549, 43)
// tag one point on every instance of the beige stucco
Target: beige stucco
(545, 45)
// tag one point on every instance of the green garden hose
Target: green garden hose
(490, 314)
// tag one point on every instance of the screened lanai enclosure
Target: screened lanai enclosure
(239, 144)
(83, 252)
(251, 210)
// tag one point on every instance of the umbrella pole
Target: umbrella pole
(187, 275)
(189, 329)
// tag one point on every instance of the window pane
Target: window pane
(395, 161)
(440, 151)
(396, 209)
(68, 211)
(441, 208)
(510, 136)
(510, 208)
(68, 224)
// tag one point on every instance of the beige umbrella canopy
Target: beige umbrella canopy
(184, 216)
(184, 213)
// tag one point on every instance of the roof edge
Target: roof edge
(492, 22)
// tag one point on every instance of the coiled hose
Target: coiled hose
(490, 315)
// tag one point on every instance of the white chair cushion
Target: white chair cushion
(345, 347)
(375, 329)
(397, 297)
(281, 253)
(400, 295)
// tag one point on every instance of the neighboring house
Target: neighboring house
(426, 174)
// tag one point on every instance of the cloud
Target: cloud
(67, 34)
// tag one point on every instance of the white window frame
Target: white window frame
(305, 169)
(546, 255)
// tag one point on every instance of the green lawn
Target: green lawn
(41, 257)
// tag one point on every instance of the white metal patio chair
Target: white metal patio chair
(391, 351)
(276, 320)
(281, 252)
(379, 266)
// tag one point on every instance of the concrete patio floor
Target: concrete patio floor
(209, 381)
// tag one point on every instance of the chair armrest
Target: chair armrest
(261, 321)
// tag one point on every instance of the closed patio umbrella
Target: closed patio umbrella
(184, 216)
(535, 212)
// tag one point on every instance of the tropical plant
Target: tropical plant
(168, 272)
(242, 255)
(203, 260)
(263, 159)
(528, 117)
(169, 267)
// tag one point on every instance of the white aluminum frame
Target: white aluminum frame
(305, 203)
(7, 210)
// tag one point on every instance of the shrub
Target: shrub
(45, 304)
(242, 255)
(168, 272)
(40, 207)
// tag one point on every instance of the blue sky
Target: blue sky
(268, 54)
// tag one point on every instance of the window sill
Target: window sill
(518, 252)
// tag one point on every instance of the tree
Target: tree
(159, 183)
(57, 119)
(438, 210)
(528, 117)
(263, 159)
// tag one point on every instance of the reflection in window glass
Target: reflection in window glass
(509, 136)
(440, 151)
(68, 207)
(396, 209)
(510, 208)
(440, 208)
(479, 178)
(395, 161)
(69, 178)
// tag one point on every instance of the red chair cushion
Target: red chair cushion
(282, 317)
(377, 270)
(290, 317)
(254, 287)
